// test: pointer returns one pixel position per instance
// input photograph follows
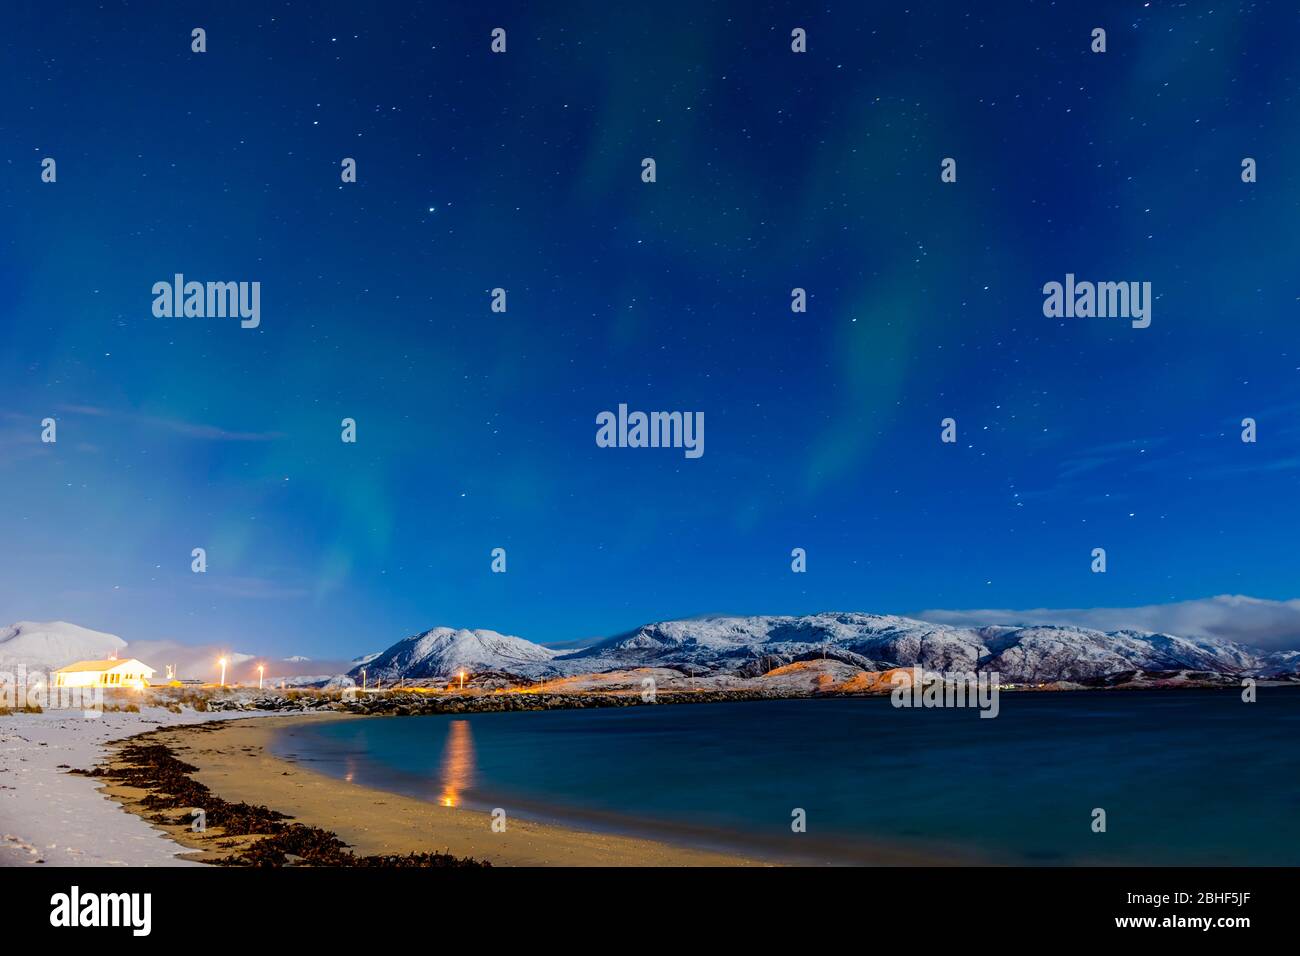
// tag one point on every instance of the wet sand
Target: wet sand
(233, 761)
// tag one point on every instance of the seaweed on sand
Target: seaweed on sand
(168, 785)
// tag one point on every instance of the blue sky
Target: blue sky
(775, 170)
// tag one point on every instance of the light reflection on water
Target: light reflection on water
(456, 772)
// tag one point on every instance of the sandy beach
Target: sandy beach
(52, 817)
(233, 761)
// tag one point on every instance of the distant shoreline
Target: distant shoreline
(409, 700)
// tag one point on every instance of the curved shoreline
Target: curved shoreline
(232, 760)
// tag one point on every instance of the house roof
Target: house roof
(102, 666)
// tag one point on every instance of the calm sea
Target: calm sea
(1184, 777)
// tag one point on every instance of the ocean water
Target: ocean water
(1184, 777)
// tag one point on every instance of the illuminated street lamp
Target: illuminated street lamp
(363, 678)
(222, 662)
(260, 668)
(462, 680)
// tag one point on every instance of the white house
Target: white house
(127, 673)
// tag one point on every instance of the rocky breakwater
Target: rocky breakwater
(407, 704)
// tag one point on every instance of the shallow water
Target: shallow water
(1185, 777)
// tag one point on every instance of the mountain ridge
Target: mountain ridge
(42, 644)
(443, 652)
(748, 646)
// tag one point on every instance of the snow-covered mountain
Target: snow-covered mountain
(751, 645)
(54, 644)
(46, 646)
(444, 652)
(1281, 662)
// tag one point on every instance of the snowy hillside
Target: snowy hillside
(45, 646)
(1281, 662)
(751, 645)
(444, 652)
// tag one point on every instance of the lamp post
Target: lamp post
(222, 662)
(260, 668)
(363, 678)
(462, 680)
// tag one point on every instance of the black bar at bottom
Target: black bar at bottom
(212, 904)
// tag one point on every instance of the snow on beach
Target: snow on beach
(51, 817)
(47, 815)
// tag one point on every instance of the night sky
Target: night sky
(775, 170)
